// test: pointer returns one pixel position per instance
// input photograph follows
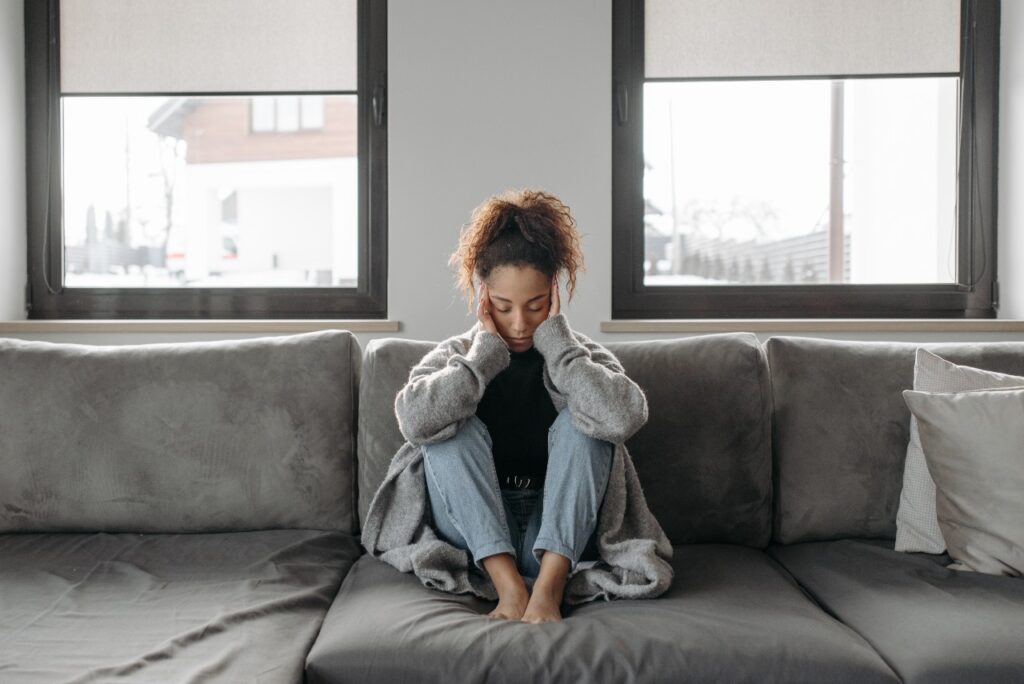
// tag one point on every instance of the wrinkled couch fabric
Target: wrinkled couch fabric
(732, 614)
(929, 623)
(229, 607)
(236, 461)
(775, 470)
(196, 437)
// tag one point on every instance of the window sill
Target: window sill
(792, 325)
(198, 325)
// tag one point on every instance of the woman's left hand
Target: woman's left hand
(555, 303)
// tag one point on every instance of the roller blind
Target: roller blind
(200, 46)
(778, 38)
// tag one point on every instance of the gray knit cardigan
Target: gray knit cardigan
(443, 391)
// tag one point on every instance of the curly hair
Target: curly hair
(518, 228)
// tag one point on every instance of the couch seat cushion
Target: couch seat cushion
(233, 607)
(732, 614)
(931, 624)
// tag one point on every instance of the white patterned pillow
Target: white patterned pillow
(917, 526)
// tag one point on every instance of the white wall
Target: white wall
(12, 161)
(1011, 160)
(486, 95)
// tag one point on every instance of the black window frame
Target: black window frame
(974, 295)
(48, 298)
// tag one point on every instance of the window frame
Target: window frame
(976, 211)
(48, 298)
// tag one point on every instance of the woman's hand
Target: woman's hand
(483, 310)
(555, 302)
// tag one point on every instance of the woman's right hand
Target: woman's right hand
(483, 310)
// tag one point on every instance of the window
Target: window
(184, 170)
(842, 165)
(286, 113)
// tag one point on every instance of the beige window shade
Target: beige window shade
(200, 46)
(774, 38)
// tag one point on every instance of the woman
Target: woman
(515, 475)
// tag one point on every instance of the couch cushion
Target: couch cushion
(917, 524)
(703, 458)
(930, 623)
(731, 615)
(233, 607)
(179, 437)
(974, 444)
(387, 362)
(840, 430)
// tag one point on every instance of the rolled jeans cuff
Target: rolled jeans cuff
(549, 544)
(491, 548)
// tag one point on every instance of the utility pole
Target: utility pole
(835, 178)
(677, 251)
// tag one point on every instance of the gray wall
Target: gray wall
(487, 95)
(1011, 160)
(12, 161)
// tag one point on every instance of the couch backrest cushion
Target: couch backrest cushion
(703, 457)
(387, 362)
(179, 437)
(841, 427)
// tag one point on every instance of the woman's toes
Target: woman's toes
(510, 607)
(542, 609)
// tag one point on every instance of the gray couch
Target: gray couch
(173, 512)
(774, 469)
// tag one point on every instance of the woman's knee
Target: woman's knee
(471, 437)
(563, 429)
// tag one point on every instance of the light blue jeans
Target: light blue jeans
(471, 511)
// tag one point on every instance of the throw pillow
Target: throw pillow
(917, 528)
(974, 446)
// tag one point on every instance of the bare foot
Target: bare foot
(546, 599)
(512, 593)
(544, 606)
(511, 604)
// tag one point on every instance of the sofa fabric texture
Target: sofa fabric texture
(840, 430)
(386, 365)
(222, 607)
(179, 437)
(732, 614)
(930, 623)
(235, 459)
(704, 456)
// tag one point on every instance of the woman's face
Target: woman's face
(520, 300)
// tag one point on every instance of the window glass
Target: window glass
(287, 113)
(312, 111)
(738, 183)
(180, 192)
(263, 113)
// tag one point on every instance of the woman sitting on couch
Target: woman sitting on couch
(518, 424)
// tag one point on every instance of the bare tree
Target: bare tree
(170, 152)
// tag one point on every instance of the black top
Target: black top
(517, 410)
